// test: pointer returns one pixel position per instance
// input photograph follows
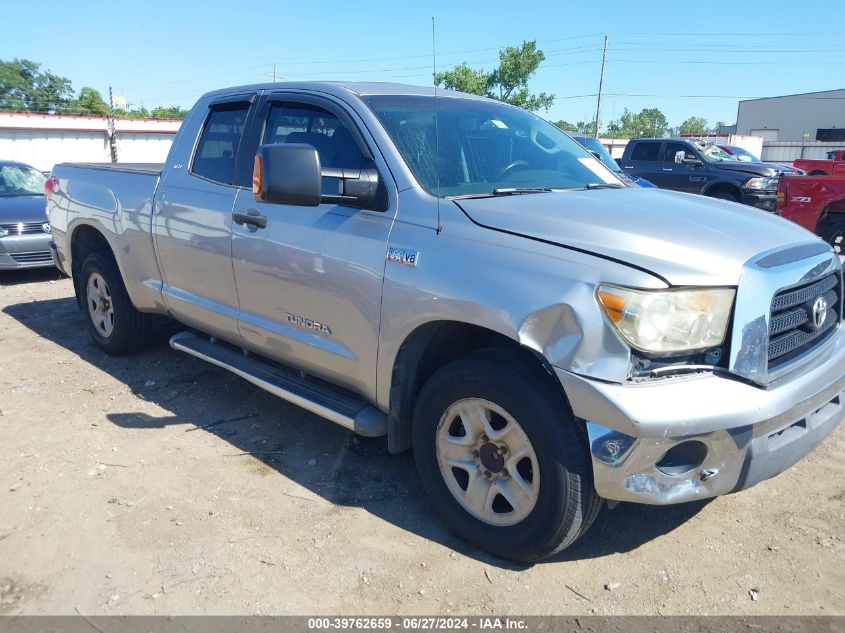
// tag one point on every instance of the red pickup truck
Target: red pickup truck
(833, 166)
(817, 203)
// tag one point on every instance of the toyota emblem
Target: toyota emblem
(819, 312)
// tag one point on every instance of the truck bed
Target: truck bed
(146, 168)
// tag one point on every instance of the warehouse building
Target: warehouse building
(812, 116)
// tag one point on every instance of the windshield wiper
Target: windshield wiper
(502, 191)
(603, 185)
(515, 191)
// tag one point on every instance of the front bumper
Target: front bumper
(750, 433)
(25, 251)
(765, 200)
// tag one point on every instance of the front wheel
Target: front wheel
(501, 458)
(114, 323)
(832, 231)
(724, 194)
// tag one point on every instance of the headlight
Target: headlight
(668, 321)
(3, 232)
(762, 184)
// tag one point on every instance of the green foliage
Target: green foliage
(89, 102)
(647, 123)
(508, 82)
(171, 112)
(25, 88)
(566, 126)
(694, 125)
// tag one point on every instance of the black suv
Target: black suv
(700, 167)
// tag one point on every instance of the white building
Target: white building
(812, 116)
(43, 140)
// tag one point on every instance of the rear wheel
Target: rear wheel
(501, 457)
(114, 323)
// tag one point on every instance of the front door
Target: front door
(310, 282)
(682, 176)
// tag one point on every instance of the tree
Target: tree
(694, 125)
(89, 102)
(565, 126)
(170, 112)
(25, 88)
(508, 82)
(648, 122)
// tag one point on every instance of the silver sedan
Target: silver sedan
(24, 230)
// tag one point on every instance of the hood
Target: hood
(685, 239)
(752, 169)
(23, 209)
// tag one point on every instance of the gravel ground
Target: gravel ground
(157, 484)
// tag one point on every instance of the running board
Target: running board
(350, 412)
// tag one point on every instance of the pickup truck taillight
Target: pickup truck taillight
(50, 185)
(780, 201)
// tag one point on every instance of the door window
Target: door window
(218, 145)
(674, 148)
(305, 123)
(646, 152)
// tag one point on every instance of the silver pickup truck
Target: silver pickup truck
(460, 276)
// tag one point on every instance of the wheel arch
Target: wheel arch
(426, 349)
(84, 240)
(721, 185)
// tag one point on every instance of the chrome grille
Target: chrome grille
(792, 331)
(34, 257)
(24, 228)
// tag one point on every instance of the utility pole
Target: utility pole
(110, 127)
(274, 74)
(601, 86)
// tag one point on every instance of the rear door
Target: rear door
(193, 220)
(644, 161)
(310, 282)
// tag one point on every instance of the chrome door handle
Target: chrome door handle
(667, 169)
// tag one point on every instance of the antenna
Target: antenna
(436, 124)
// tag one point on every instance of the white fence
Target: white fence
(784, 152)
(43, 140)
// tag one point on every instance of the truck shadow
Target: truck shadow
(29, 276)
(325, 459)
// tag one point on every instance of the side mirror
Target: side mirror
(679, 157)
(287, 173)
(290, 173)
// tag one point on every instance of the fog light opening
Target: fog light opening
(682, 458)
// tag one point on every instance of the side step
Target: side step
(353, 413)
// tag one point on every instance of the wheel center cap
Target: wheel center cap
(491, 458)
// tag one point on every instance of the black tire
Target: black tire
(724, 194)
(130, 329)
(566, 504)
(832, 230)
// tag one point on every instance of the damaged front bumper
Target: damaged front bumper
(676, 440)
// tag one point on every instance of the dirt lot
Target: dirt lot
(157, 484)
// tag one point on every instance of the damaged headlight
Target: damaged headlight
(668, 321)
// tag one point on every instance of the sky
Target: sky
(685, 58)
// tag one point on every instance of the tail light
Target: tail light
(780, 201)
(50, 185)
